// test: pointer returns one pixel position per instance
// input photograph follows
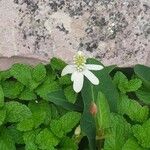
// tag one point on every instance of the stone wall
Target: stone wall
(114, 31)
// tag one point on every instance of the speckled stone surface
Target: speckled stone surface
(114, 31)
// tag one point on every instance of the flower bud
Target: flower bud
(77, 131)
(93, 109)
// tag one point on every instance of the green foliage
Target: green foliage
(16, 111)
(27, 95)
(68, 143)
(88, 123)
(120, 132)
(143, 95)
(4, 75)
(46, 140)
(132, 144)
(65, 124)
(22, 73)
(65, 80)
(39, 73)
(1, 97)
(2, 116)
(70, 94)
(103, 113)
(107, 87)
(39, 109)
(29, 139)
(124, 85)
(142, 133)
(57, 64)
(41, 112)
(143, 73)
(133, 109)
(47, 87)
(25, 125)
(12, 89)
(28, 76)
(6, 141)
(59, 99)
(16, 135)
(28, 119)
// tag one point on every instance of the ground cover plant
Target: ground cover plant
(42, 110)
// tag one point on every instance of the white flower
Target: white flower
(80, 69)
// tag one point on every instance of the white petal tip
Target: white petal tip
(96, 82)
(62, 73)
(94, 67)
(77, 90)
(100, 67)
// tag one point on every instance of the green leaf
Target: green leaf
(6, 141)
(103, 112)
(106, 85)
(22, 73)
(55, 112)
(39, 73)
(16, 111)
(130, 86)
(142, 133)
(25, 125)
(59, 99)
(65, 80)
(133, 109)
(2, 115)
(27, 95)
(68, 143)
(108, 88)
(65, 124)
(57, 64)
(120, 78)
(12, 89)
(31, 146)
(47, 87)
(124, 85)
(46, 140)
(144, 96)
(70, 94)
(16, 135)
(50, 73)
(41, 113)
(5, 75)
(1, 97)
(38, 117)
(29, 139)
(131, 144)
(134, 85)
(88, 125)
(120, 132)
(143, 73)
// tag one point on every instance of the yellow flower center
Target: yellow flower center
(79, 61)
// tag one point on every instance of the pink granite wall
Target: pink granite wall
(114, 31)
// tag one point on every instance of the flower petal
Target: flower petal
(68, 70)
(94, 67)
(91, 77)
(73, 76)
(77, 81)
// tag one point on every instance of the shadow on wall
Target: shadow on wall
(6, 63)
